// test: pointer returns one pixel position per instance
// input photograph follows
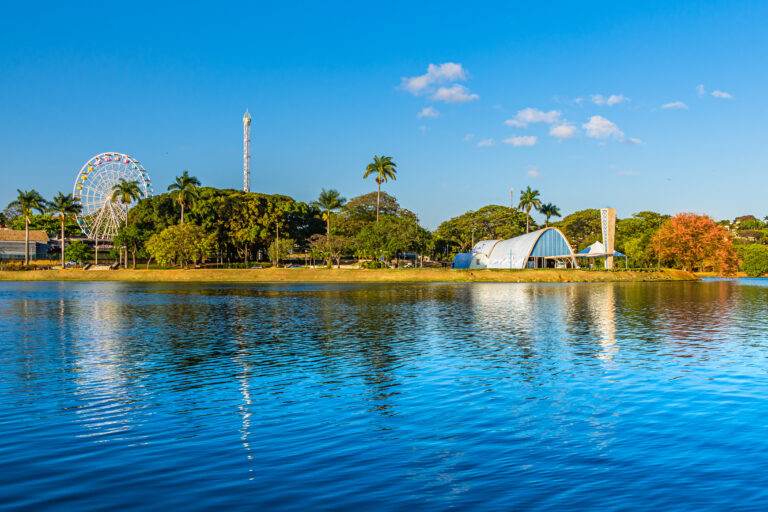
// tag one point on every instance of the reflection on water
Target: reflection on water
(489, 396)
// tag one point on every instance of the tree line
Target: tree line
(191, 223)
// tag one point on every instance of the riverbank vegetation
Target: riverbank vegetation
(191, 224)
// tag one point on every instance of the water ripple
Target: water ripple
(484, 396)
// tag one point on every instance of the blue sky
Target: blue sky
(567, 98)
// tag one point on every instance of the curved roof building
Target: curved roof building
(545, 248)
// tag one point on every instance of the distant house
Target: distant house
(12, 244)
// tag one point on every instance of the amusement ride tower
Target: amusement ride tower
(246, 151)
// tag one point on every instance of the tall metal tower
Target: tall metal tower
(246, 151)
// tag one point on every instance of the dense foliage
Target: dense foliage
(193, 223)
(754, 259)
(180, 245)
(241, 223)
(694, 242)
(489, 222)
(78, 251)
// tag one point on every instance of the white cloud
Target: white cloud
(631, 140)
(722, 94)
(485, 143)
(563, 131)
(626, 173)
(613, 99)
(456, 93)
(675, 104)
(532, 115)
(599, 127)
(700, 90)
(436, 74)
(526, 140)
(423, 129)
(468, 137)
(428, 112)
(533, 172)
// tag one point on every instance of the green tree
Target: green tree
(489, 222)
(529, 199)
(391, 236)
(581, 228)
(361, 211)
(133, 238)
(328, 202)
(754, 259)
(180, 245)
(27, 201)
(635, 236)
(279, 249)
(125, 192)
(65, 207)
(184, 189)
(78, 251)
(549, 210)
(45, 222)
(384, 169)
(332, 247)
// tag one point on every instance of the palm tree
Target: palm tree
(184, 189)
(550, 210)
(384, 169)
(65, 206)
(28, 201)
(329, 201)
(529, 199)
(126, 192)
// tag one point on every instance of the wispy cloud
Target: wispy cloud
(675, 104)
(468, 137)
(531, 115)
(626, 173)
(722, 94)
(526, 140)
(485, 143)
(563, 131)
(423, 129)
(456, 93)
(599, 127)
(613, 99)
(700, 90)
(436, 74)
(533, 171)
(631, 140)
(428, 112)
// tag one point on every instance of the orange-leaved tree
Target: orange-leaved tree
(694, 242)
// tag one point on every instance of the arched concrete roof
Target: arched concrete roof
(514, 253)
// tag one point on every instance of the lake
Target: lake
(413, 397)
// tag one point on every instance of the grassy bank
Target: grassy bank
(307, 275)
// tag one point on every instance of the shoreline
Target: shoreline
(308, 275)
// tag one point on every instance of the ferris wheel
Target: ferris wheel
(101, 217)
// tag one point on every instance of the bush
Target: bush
(77, 251)
(373, 264)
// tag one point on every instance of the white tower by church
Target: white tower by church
(246, 151)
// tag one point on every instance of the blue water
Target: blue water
(382, 397)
